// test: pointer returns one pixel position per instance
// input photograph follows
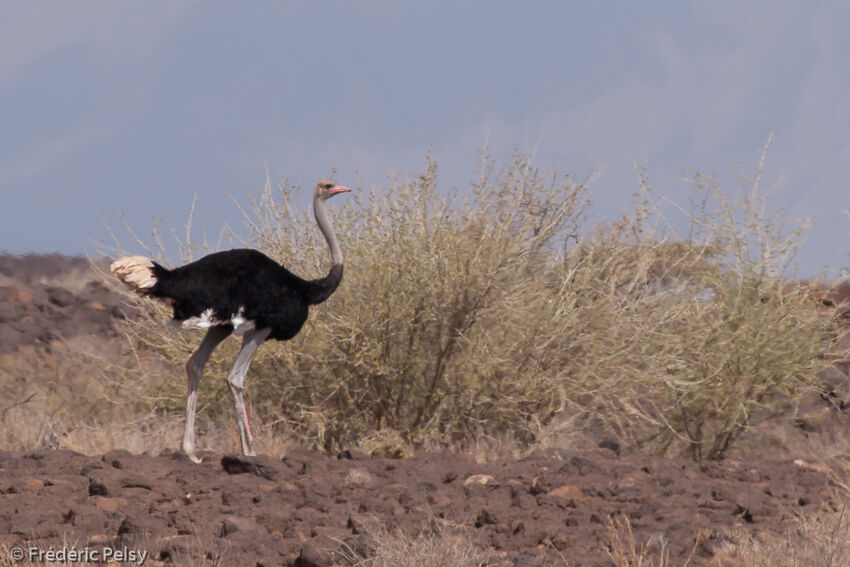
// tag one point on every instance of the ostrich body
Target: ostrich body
(241, 292)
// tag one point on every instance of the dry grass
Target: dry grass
(68, 392)
(441, 549)
(92, 396)
(823, 541)
(486, 319)
(481, 321)
(439, 544)
(625, 550)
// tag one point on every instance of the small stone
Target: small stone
(566, 491)
(233, 524)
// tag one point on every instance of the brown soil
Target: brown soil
(311, 510)
(307, 509)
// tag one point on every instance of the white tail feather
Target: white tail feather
(135, 271)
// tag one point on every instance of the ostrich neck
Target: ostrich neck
(327, 230)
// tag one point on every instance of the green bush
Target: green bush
(486, 313)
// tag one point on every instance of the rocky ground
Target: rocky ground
(307, 509)
(36, 309)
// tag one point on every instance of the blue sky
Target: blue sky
(139, 106)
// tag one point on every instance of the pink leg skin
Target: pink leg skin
(236, 379)
(247, 426)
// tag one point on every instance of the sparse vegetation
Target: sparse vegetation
(625, 550)
(487, 314)
(438, 545)
(490, 320)
(823, 541)
(489, 317)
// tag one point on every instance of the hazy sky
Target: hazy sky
(138, 106)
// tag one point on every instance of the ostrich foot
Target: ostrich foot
(194, 458)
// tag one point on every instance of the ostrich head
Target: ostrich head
(326, 189)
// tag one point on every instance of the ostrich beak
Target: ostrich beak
(340, 189)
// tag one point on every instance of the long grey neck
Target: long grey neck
(327, 230)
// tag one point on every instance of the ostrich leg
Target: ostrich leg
(194, 370)
(236, 380)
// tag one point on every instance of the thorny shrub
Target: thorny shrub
(486, 313)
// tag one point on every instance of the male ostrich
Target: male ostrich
(241, 292)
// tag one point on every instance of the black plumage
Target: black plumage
(243, 283)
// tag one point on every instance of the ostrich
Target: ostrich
(240, 292)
